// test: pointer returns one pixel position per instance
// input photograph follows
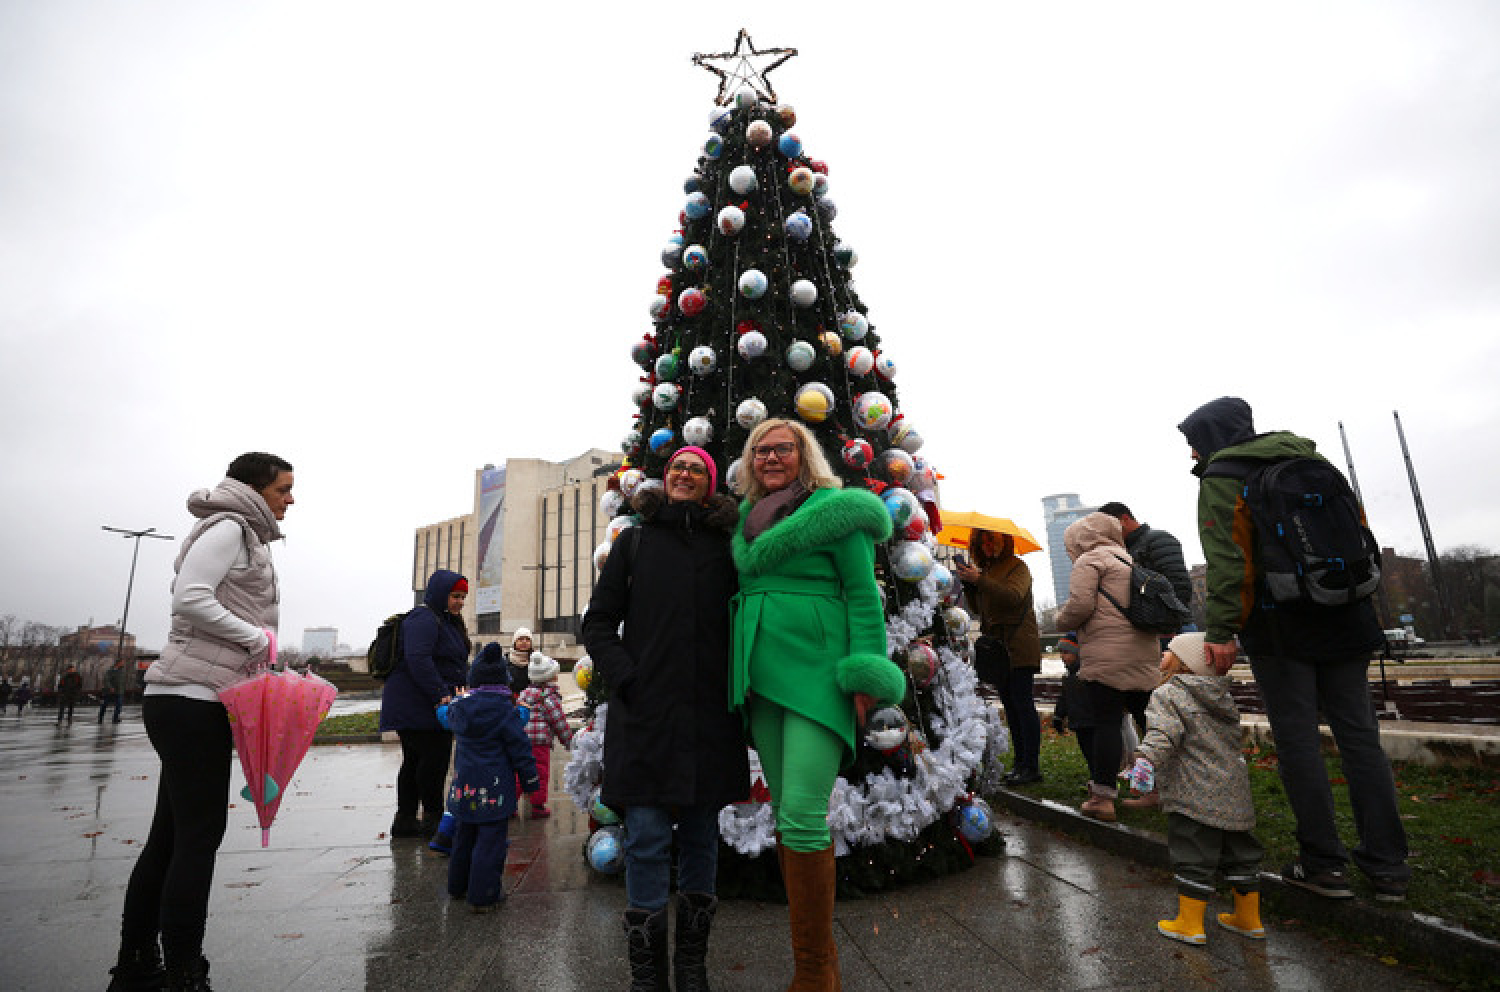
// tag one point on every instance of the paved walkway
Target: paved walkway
(334, 905)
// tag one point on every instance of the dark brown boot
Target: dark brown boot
(695, 917)
(811, 881)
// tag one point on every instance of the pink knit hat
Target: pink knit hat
(708, 462)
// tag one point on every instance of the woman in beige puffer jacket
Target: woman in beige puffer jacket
(1119, 662)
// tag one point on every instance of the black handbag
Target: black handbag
(992, 660)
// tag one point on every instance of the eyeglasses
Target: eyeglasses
(782, 451)
(691, 468)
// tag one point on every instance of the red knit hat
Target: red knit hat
(462, 585)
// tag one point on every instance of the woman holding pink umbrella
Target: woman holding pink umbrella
(225, 604)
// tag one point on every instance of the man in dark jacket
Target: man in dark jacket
(1155, 549)
(1305, 659)
(69, 687)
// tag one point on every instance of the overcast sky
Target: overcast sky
(393, 242)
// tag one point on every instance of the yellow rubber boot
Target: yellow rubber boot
(1245, 920)
(1188, 927)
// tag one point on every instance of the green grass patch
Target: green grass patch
(1452, 818)
(349, 724)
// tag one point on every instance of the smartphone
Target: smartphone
(960, 561)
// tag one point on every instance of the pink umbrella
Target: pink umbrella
(274, 716)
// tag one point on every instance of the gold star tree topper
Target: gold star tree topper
(741, 68)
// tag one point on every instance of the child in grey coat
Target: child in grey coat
(1191, 753)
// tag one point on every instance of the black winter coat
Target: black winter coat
(670, 738)
(1161, 552)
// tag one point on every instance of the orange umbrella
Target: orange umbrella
(958, 525)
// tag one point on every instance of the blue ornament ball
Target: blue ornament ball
(671, 256)
(718, 118)
(975, 821)
(694, 257)
(692, 184)
(799, 226)
(605, 851)
(662, 438)
(713, 146)
(697, 206)
(790, 145)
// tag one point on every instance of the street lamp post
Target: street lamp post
(129, 586)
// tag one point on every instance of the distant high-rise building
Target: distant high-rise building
(320, 642)
(1059, 511)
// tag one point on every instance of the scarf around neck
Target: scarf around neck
(773, 508)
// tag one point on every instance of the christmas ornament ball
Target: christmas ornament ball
(901, 505)
(583, 672)
(975, 821)
(921, 662)
(698, 205)
(800, 355)
(752, 344)
(702, 360)
(731, 220)
(713, 146)
(718, 118)
(662, 438)
(911, 561)
(666, 395)
(798, 226)
(641, 395)
(911, 441)
(630, 442)
(956, 620)
(666, 367)
(753, 284)
(758, 134)
(691, 302)
(630, 480)
(745, 98)
(732, 476)
(801, 180)
(643, 353)
(787, 115)
(814, 402)
(789, 144)
(742, 180)
(895, 466)
(832, 343)
(605, 850)
(845, 255)
(601, 553)
(804, 293)
(860, 360)
(854, 325)
(611, 502)
(872, 411)
(820, 184)
(885, 367)
(858, 454)
(886, 728)
(698, 430)
(660, 306)
(602, 814)
(749, 413)
(613, 528)
(692, 184)
(694, 258)
(827, 209)
(671, 256)
(942, 577)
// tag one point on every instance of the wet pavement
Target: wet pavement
(334, 905)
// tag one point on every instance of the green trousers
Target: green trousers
(800, 758)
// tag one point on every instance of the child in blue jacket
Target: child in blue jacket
(492, 751)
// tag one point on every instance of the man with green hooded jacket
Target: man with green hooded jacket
(1305, 658)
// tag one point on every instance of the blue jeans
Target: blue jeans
(1293, 691)
(648, 852)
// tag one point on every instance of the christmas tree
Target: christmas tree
(757, 315)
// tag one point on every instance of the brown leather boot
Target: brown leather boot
(810, 884)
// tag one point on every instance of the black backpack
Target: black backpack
(1153, 604)
(385, 650)
(1312, 545)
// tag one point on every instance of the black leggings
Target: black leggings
(169, 888)
(424, 769)
(1109, 706)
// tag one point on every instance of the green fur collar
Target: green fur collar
(828, 516)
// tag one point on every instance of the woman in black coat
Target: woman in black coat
(673, 749)
(433, 665)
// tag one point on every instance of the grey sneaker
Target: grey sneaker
(1328, 884)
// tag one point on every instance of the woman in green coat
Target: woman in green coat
(809, 657)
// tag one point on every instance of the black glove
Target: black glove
(1059, 725)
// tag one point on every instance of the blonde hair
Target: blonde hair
(813, 471)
